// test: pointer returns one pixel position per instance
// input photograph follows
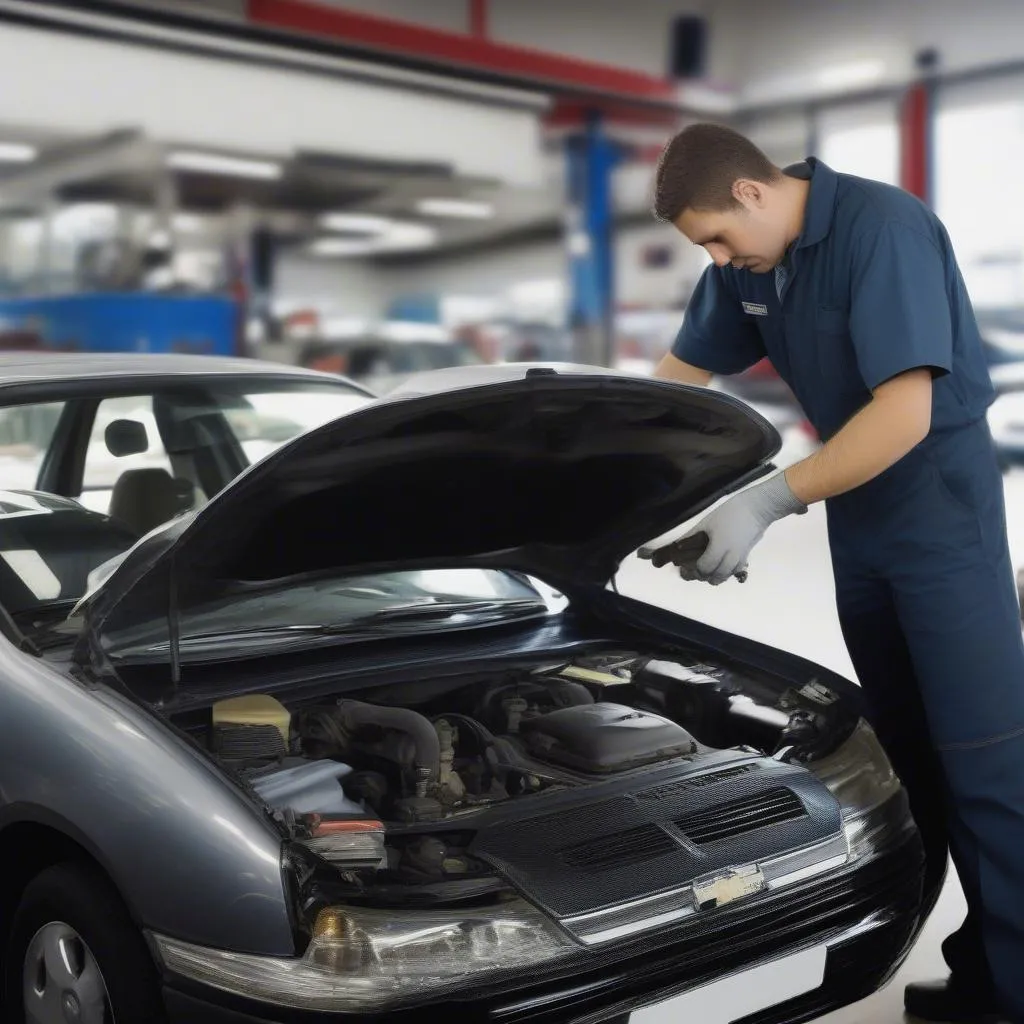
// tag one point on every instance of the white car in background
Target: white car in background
(1006, 414)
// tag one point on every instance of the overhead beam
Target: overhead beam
(470, 52)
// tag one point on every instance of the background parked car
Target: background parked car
(383, 363)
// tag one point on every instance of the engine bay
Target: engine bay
(391, 782)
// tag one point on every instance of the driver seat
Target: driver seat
(144, 499)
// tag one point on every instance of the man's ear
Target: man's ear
(750, 193)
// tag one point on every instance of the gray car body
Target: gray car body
(86, 764)
(193, 856)
(153, 813)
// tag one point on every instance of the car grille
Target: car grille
(738, 817)
(631, 846)
(723, 941)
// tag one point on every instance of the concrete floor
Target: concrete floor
(788, 602)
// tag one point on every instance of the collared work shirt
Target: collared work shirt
(871, 289)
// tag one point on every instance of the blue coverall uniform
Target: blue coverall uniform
(924, 584)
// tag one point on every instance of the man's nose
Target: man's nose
(718, 255)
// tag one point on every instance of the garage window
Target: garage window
(861, 140)
(979, 143)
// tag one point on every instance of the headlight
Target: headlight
(369, 959)
(874, 804)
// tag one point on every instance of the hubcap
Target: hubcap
(61, 980)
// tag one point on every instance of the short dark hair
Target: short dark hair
(699, 167)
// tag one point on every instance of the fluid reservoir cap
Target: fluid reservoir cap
(253, 709)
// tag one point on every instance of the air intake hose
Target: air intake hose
(354, 714)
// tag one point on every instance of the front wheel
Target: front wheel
(75, 957)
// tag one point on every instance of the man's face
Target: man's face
(750, 235)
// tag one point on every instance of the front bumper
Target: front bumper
(868, 915)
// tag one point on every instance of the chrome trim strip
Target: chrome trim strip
(625, 919)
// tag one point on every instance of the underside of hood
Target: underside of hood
(560, 476)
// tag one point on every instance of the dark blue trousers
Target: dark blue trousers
(928, 606)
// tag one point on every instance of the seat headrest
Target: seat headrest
(126, 437)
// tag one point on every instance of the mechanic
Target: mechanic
(851, 289)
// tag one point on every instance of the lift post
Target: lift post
(591, 157)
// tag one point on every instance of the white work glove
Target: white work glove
(732, 530)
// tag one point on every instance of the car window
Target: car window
(152, 456)
(103, 467)
(26, 432)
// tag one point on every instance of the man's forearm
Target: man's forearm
(896, 419)
(673, 368)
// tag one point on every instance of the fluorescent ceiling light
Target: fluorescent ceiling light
(408, 236)
(397, 237)
(187, 222)
(849, 76)
(412, 330)
(344, 327)
(706, 99)
(212, 163)
(355, 222)
(17, 152)
(85, 217)
(460, 208)
(342, 247)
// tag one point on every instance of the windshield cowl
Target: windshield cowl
(320, 611)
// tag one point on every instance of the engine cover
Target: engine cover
(602, 738)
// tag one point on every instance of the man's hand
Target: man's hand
(733, 529)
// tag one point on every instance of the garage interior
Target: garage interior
(376, 187)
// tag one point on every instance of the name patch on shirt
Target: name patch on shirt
(755, 308)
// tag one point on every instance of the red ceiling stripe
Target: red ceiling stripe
(559, 74)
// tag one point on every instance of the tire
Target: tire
(95, 924)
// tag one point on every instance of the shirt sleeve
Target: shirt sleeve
(900, 316)
(717, 335)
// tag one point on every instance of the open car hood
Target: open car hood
(559, 475)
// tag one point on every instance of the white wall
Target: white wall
(520, 270)
(449, 15)
(346, 288)
(92, 85)
(490, 275)
(779, 48)
(626, 34)
(663, 287)
(531, 275)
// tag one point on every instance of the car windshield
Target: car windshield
(318, 609)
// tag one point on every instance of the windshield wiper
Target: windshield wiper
(417, 616)
(429, 611)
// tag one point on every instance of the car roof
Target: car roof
(17, 367)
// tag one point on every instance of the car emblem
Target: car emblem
(728, 886)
